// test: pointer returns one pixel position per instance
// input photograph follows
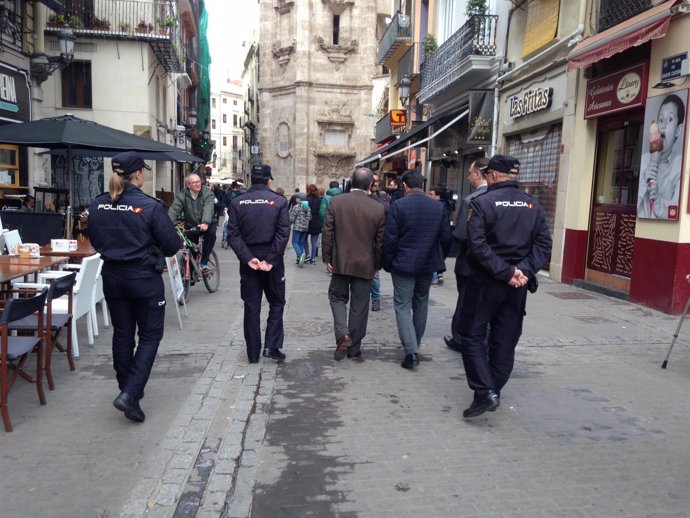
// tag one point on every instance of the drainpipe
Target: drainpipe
(497, 89)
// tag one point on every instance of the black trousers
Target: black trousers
(489, 363)
(253, 285)
(137, 306)
(209, 241)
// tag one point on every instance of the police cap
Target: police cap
(261, 172)
(504, 164)
(128, 162)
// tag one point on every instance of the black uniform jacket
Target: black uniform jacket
(506, 230)
(135, 231)
(258, 225)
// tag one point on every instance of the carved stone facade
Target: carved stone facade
(315, 88)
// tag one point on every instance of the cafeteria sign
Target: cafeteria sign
(616, 92)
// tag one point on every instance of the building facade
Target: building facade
(317, 61)
(227, 119)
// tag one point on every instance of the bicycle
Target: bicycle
(190, 263)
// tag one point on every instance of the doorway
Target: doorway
(614, 201)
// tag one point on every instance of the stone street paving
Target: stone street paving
(589, 424)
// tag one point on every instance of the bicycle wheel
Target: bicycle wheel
(186, 280)
(212, 275)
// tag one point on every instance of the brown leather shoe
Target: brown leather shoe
(342, 345)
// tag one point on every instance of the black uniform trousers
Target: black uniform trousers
(137, 305)
(489, 363)
(253, 284)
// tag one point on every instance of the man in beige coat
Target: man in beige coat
(352, 243)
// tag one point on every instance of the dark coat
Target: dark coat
(418, 236)
(315, 223)
(352, 237)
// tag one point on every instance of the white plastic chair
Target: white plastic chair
(82, 297)
(98, 296)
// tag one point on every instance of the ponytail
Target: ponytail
(116, 186)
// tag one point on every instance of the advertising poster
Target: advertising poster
(662, 156)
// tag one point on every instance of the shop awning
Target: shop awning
(649, 25)
(381, 151)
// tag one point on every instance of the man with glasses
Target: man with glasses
(195, 207)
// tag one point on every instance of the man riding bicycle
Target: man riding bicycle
(195, 206)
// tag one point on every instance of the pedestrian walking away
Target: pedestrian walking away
(195, 207)
(315, 223)
(382, 197)
(477, 181)
(300, 216)
(417, 240)
(352, 251)
(133, 234)
(509, 242)
(258, 232)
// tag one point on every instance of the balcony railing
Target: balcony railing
(613, 12)
(10, 29)
(155, 22)
(398, 33)
(476, 38)
(409, 64)
(383, 128)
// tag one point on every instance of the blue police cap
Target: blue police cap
(504, 164)
(261, 172)
(128, 162)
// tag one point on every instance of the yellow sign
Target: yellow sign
(398, 118)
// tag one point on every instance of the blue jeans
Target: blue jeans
(411, 302)
(299, 242)
(376, 287)
(314, 238)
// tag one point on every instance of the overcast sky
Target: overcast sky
(230, 22)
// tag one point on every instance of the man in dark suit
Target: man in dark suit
(476, 179)
(417, 240)
(352, 242)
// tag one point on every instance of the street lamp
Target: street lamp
(404, 91)
(43, 66)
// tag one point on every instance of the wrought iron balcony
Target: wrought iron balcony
(613, 12)
(410, 63)
(398, 33)
(10, 29)
(456, 57)
(154, 22)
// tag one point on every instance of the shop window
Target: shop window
(542, 24)
(76, 85)
(9, 165)
(618, 166)
(539, 153)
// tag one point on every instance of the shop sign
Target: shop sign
(616, 92)
(398, 118)
(15, 98)
(481, 117)
(531, 101)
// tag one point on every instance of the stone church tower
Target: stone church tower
(315, 82)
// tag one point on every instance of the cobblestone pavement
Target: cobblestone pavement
(589, 424)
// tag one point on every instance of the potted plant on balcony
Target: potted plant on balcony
(166, 23)
(429, 45)
(75, 22)
(143, 27)
(100, 24)
(124, 26)
(55, 20)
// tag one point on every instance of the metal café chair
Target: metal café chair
(16, 349)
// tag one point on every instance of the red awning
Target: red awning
(649, 25)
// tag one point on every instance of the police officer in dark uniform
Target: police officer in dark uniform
(133, 234)
(258, 232)
(509, 242)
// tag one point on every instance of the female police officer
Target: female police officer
(133, 234)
